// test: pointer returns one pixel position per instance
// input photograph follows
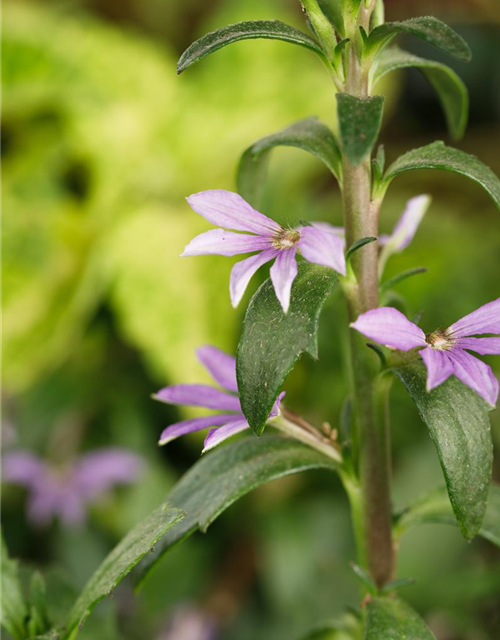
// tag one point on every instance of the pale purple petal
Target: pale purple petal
(484, 346)
(407, 225)
(486, 319)
(43, 504)
(322, 247)
(196, 424)
(216, 436)
(96, 472)
(71, 507)
(23, 468)
(276, 407)
(229, 210)
(390, 327)
(283, 273)
(243, 271)
(475, 374)
(220, 365)
(198, 395)
(439, 366)
(330, 228)
(224, 243)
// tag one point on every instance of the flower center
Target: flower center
(439, 340)
(286, 239)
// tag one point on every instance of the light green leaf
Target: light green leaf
(226, 474)
(309, 134)
(457, 419)
(451, 91)
(333, 11)
(393, 619)
(438, 156)
(39, 618)
(14, 611)
(359, 124)
(136, 544)
(251, 30)
(428, 28)
(271, 341)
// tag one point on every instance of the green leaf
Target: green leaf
(267, 29)
(333, 11)
(451, 91)
(14, 610)
(458, 423)
(359, 124)
(39, 618)
(435, 508)
(136, 544)
(400, 277)
(309, 134)
(393, 619)
(271, 341)
(355, 246)
(226, 474)
(428, 28)
(438, 156)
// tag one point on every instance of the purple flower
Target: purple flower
(222, 368)
(66, 491)
(272, 241)
(445, 352)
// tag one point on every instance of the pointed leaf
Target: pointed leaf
(359, 124)
(451, 91)
(358, 244)
(271, 341)
(267, 29)
(14, 610)
(393, 619)
(400, 277)
(457, 419)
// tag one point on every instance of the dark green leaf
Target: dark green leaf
(364, 577)
(309, 134)
(226, 474)
(393, 619)
(136, 544)
(428, 28)
(267, 29)
(438, 156)
(451, 91)
(394, 585)
(39, 619)
(458, 423)
(404, 275)
(435, 508)
(359, 124)
(14, 610)
(271, 341)
(358, 244)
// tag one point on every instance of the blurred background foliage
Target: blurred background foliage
(101, 143)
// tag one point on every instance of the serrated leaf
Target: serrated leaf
(226, 474)
(438, 156)
(393, 619)
(427, 28)
(435, 508)
(309, 134)
(251, 30)
(124, 557)
(457, 419)
(14, 610)
(450, 89)
(271, 341)
(359, 124)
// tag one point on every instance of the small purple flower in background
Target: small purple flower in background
(189, 623)
(446, 352)
(222, 368)
(272, 241)
(66, 491)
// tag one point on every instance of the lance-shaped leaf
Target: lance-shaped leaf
(309, 134)
(124, 557)
(393, 619)
(359, 124)
(271, 341)
(14, 610)
(226, 474)
(430, 29)
(435, 508)
(450, 89)
(251, 30)
(457, 419)
(438, 156)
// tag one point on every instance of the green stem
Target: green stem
(312, 440)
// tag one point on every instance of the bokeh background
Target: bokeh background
(101, 144)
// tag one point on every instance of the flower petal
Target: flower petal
(220, 365)
(439, 366)
(390, 327)
(407, 225)
(486, 319)
(330, 228)
(283, 273)
(229, 210)
(198, 395)
(475, 374)
(196, 424)
(224, 243)
(484, 346)
(98, 471)
(23, 468)
(216, 436)
(243, 271)
(275, 411)
(323, 247)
